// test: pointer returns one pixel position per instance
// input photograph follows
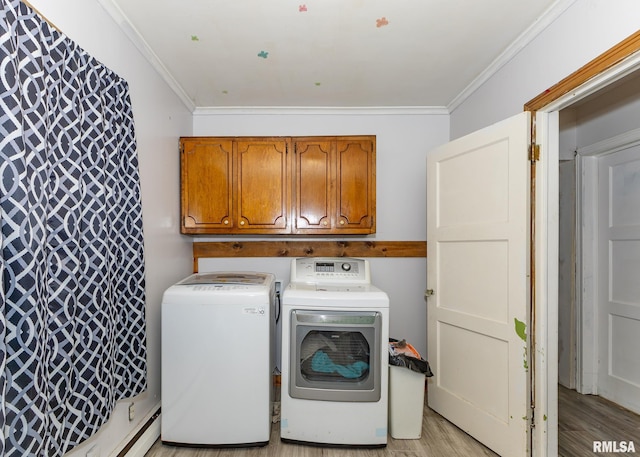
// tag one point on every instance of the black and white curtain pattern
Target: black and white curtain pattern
(72, 324)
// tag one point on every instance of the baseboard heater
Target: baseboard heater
(144, 439)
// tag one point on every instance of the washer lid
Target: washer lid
(227, 277)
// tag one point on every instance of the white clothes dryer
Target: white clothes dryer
(335, 336)
(217, 359)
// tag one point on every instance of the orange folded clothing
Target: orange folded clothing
(402, 347)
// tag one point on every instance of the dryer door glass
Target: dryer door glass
(335, 355)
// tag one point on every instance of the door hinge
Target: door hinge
(534, 152)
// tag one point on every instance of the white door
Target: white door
(477, 267)
(618, 300)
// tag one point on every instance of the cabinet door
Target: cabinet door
(263, 185)
(206, 184)
(355, 185)
(314, 165)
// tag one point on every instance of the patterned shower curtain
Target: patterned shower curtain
(72, 324)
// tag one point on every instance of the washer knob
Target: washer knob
(346, 266)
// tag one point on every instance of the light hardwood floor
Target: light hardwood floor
(582, 419)
(439, 438)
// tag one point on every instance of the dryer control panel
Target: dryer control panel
(320, 270)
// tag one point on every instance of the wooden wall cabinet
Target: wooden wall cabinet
(334, 185)
(278, 185)
(235, 185)
(206, 185)
(263, 185)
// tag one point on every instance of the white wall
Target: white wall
(160, 118)
(584, 31)
(566, 252)
(402, 141)
(566, 275)
(610, 114)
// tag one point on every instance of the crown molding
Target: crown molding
(136, 38)
(526, 37)
(321, 110)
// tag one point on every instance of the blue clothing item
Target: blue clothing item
(322, 363)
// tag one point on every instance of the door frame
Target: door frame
(587, 160)
(612, 65)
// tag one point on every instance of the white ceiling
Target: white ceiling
(330, 53)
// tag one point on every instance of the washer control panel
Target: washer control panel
(320, 270)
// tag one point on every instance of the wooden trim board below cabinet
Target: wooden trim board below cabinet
(341, 248)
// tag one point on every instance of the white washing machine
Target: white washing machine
(218, 360)
(335, 336)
